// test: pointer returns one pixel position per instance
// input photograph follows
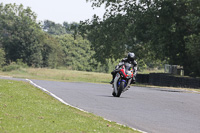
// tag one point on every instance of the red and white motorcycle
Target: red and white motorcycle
(122, 79)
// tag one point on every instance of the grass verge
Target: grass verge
(59, 75)
(24, 109)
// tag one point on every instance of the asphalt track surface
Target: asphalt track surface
(153, 110)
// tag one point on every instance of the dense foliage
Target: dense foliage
(157, 31)
(22, 38)
(24, 41)
(57, 29)
(76, 53)
(2, 57)
(165, 30)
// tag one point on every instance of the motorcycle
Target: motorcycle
(122, 79)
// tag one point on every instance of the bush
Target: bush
(2, 57)
(14, 66)
(11, 67)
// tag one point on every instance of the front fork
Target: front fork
(115, 83)
(127, 85)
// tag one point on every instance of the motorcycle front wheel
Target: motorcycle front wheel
(120, 89)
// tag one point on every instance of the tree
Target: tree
(193, 52)
(72, 28)
(51, 51)
(77, 54)
(53, 28)
(115, 35)
(20, 32)
(2, 57)
(154, 27)
(171, 22)
(57, 29)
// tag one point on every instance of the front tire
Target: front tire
(114, 94)
(120, 89)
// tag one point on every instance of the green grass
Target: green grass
(63, 75)
(27, 109)
(147, 71)
(59, 75)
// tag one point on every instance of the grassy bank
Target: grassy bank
(58, 74)
(24, 109)
(63, 75)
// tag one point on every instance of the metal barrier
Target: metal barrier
(165, 79)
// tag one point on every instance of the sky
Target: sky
(59, 11)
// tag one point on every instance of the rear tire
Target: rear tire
(120, 89)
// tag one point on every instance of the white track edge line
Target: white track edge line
(62, 101)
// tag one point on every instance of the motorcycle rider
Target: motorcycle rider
(130, 59)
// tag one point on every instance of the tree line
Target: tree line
(43, 44)
(156, 30)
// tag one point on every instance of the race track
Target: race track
(153, 110)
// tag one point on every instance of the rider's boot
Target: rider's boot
(133, 80)
(113, 75)
(111, 82)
